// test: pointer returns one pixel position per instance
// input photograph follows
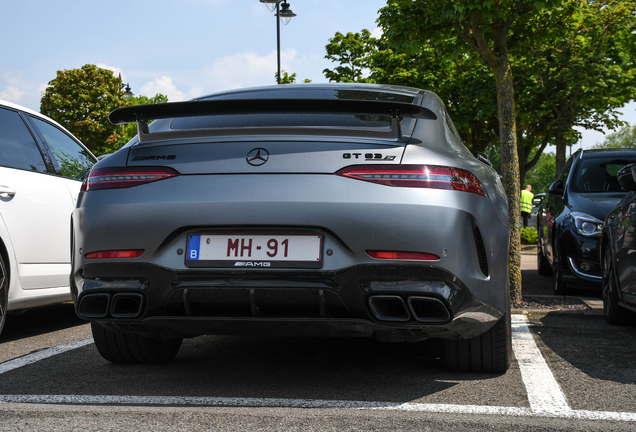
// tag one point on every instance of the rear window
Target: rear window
(282, 120)
(296, 120)
(599, 174)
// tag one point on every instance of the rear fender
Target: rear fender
(6, 250)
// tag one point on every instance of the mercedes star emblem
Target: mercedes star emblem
(257, 157)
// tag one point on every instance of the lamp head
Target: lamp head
(285, 13)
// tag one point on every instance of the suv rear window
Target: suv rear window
(17, 146)
(599, 174)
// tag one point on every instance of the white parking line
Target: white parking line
(310, 403)
(41, 355)
(544, 394)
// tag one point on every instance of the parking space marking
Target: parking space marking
(544, 393)
(41, 355)
(311, 403)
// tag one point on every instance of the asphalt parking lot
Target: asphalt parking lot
(571, 371)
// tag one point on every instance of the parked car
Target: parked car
(618, 245)
(313, 210)
(571, 217)
(41, 170)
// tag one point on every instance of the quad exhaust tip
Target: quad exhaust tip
(126, 305)
(389, 308)
(94, 305)
(102, 305)
(422, 309)
(428, 309)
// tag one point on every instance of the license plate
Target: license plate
(258, 250)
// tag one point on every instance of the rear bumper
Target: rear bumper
(393, 303)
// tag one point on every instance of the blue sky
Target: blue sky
(181, 48)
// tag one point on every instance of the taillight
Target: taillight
(124, 177)
(115, 254)
(410, 256)
(417, 176)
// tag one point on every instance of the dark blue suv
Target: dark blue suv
(571, 216)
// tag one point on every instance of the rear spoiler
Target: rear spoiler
(144, 113)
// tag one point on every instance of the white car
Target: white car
(42, 166)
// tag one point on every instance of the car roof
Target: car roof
(410, 91)
(605, 152)
(20, 107)
(29, 111)
(39, 115)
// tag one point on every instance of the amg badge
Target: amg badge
(252, 264)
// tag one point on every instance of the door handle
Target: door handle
(6, 191)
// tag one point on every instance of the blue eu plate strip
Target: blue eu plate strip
(193, 247)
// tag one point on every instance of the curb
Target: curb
(543, 312)
(595, 307)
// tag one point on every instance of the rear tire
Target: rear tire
(4, 293)
(543, 265)
(489, 352)
(614, 313)
(118, 347)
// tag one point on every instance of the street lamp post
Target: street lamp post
(284, 14)
(128, 93)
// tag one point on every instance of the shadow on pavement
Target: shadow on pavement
(592, 346)
(38, 321)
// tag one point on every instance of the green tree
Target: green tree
(576, 58)
(289, 79)
(130, 130)
(351, 51)
(624, 138)
(80, 100)
(542, 175)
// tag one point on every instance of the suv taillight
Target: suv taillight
(124, 177)
(416, 176)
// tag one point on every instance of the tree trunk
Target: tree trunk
(522, 152)
(561, 148)
(496, 57)
(510, 168)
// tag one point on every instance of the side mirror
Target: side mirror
(483, 158)
(556, 188)
(627, 177)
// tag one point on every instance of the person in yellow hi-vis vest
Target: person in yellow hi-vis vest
(526, 204)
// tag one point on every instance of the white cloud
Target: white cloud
(11, 94)
(247, 69)
(116, 70)
(377, 33)
(164, 85)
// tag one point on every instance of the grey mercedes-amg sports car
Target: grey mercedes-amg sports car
(294, 210)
